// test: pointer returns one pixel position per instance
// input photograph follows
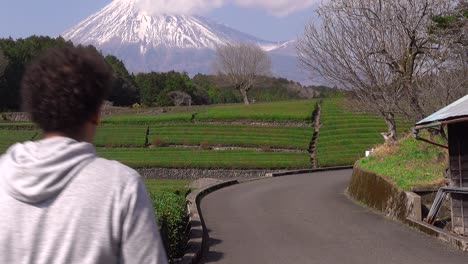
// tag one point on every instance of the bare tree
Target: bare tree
(179, 98)
(242, 64)
(441, 89)
(374, 48)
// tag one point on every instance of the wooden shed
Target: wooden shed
(455, 117)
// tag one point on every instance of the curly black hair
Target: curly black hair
(64, 87)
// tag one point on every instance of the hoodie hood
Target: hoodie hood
(33, 172)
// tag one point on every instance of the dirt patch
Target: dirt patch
(313, 143)
(15, 117)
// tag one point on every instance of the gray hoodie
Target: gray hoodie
(60, 203)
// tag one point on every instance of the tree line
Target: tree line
(154, 88)
(401, 57)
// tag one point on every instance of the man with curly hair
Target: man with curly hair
(60, 202)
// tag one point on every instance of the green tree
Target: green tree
(218, 89)
(18, 53)
(150, 86)
(3, 63)
(175, 81)
(124, 91)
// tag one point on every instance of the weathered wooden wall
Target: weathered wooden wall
(458, 151)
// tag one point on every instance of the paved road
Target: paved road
(308, 219)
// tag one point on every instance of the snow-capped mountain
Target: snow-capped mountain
(169, 42)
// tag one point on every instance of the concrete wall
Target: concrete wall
(379, 193)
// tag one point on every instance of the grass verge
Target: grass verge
(409, 163)
(166, 185)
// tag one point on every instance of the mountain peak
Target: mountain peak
(122, 22)
(166, 42)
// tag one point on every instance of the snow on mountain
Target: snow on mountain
(169, 42)
(123, 21)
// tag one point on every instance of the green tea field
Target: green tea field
(281, 112)
(125, 135)
(345, 136)
(259, 136)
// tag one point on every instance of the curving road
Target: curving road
(308, 219)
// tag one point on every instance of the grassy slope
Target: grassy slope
(344, 135)
(409, 163)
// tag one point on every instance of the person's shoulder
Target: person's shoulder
(114, 170)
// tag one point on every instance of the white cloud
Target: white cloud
(154, 7)
(275, 7)
(278, 7)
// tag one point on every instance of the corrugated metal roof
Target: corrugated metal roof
(456, 109)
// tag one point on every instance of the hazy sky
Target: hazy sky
(268, 19)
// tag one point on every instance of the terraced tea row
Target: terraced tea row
(124, 135)
(345, 135)
(145, 140)
(288, 111)
(206, 159)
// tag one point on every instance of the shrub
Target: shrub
(159, 142)
(171, 212)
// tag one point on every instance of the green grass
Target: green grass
(286, 111)
(206, 159)
(125, 135)
(120, 135)
(345, 136)
(9, 137)
(410, 163)
(162, 185)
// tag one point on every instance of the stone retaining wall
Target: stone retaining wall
(15, 117)
(163, 173)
